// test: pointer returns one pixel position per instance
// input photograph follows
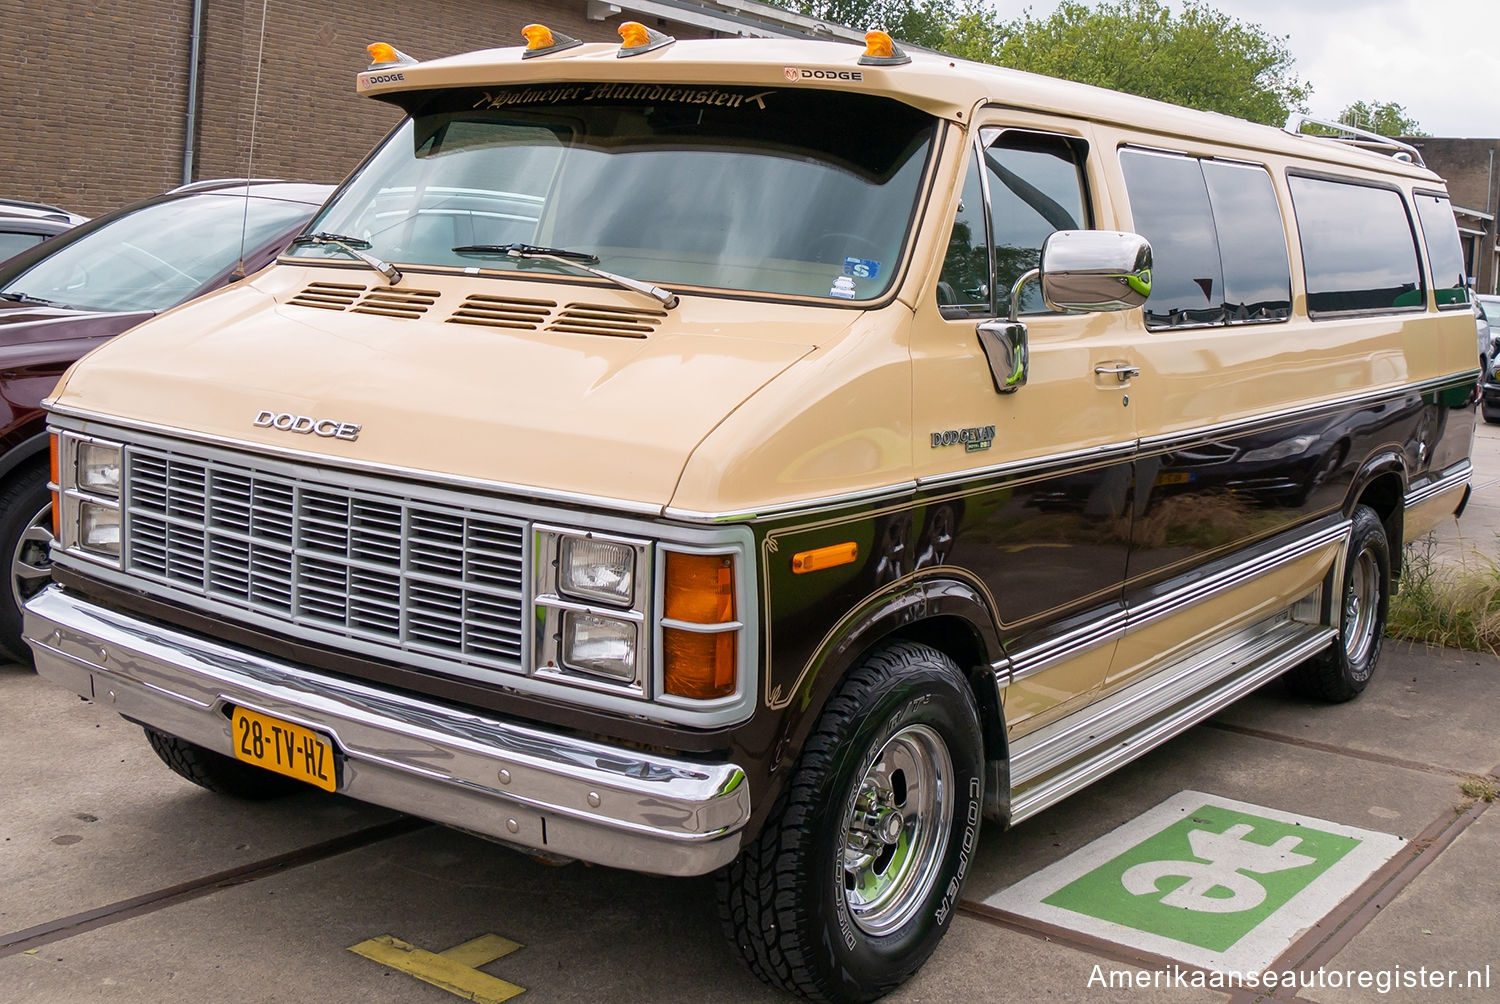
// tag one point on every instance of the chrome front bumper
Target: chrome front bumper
(518, 784)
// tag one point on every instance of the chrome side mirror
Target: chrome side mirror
(1084, 270)
(1080, 270)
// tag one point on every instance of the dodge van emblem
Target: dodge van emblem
(285, 421)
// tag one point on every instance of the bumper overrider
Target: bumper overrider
(519, 784)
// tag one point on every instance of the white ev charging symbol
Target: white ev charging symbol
(1228, 855)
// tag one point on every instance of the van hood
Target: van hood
(582, 409)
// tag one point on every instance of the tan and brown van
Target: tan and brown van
(765, 458)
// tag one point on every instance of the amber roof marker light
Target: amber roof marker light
(637, 38)
(881, 50)
(543, 41)
(383, 54)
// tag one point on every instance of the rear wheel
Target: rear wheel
(217, 772)
(1342, 671)
(25, 538)
(853, 880)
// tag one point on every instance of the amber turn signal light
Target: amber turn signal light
(699, 589)
(54, 469)
(540, 40)
(636, 38)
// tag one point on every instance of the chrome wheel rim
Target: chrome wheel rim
(1361, 607)
(31, 563)
(895, 829)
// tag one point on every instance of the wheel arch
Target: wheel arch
(1381, 485)
(943, 609)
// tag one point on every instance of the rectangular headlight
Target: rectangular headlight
(99, 468)
(593, 569)
(601, 645)
(99, 528)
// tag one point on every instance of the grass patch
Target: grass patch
(1457, 606)
(1480, 788)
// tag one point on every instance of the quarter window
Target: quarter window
(1358, 249)
(1445, 253)
(964, 286)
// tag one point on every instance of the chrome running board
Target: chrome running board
(1059, 759)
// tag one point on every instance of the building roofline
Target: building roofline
(746, 18)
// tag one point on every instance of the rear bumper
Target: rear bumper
(519, 784)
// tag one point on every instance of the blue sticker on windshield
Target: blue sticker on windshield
(861, 268)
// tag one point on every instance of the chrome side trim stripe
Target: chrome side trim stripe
(1196, 592)
(1239, 668)
(1456, 476)
(1105, 630)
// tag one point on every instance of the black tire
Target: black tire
(217, 772)
(1343, 670)
(786, 902)
(25, 533)
(1492, 417)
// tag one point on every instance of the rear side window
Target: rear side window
(1445, 252)
(1358, 249)
(1218, 247)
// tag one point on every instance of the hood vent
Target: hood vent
(503, 312)
(626, 322)
(393, 301)
(327, 296)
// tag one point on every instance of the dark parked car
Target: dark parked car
(1489, 387)
(26, 224)
(60, 299)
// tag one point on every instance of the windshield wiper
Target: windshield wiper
(27, 298)
(350, 246)
(572, 259)
(524, 250)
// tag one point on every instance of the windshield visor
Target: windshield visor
(783, 191)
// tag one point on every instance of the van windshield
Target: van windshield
(780, 191)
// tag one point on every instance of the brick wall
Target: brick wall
(97, 92)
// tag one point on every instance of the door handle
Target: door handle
(1124, 371)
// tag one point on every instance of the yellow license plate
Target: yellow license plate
(1174, 478)
(285, 748)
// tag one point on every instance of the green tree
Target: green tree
(1385, 117)
(921, 22)
(1201, 58)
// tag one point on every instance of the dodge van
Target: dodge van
(765, 458)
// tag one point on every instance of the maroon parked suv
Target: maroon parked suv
(62, 298)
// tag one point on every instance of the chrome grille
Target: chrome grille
(426, 577)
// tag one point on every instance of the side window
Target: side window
(963, 288)
(1358, 249)
(1445, 253)
(1036, 187)
(1170, 205)
(1252, 242)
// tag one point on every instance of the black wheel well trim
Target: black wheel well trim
(943, 608)
(26, 450)
(1381, 484)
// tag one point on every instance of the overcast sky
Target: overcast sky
(1438, 58)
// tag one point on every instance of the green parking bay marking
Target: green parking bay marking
(1204, 880)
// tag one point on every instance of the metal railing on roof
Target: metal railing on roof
(1355, 136)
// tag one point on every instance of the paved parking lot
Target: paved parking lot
(121, 882)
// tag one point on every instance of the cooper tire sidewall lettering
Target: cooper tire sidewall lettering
(850, 949)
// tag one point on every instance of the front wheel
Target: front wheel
(25, 538)
(853, 880)
(1342, 671)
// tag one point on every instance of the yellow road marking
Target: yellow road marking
(453, 970)
(481, 951)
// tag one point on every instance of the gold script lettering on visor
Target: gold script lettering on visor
(285, 421)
